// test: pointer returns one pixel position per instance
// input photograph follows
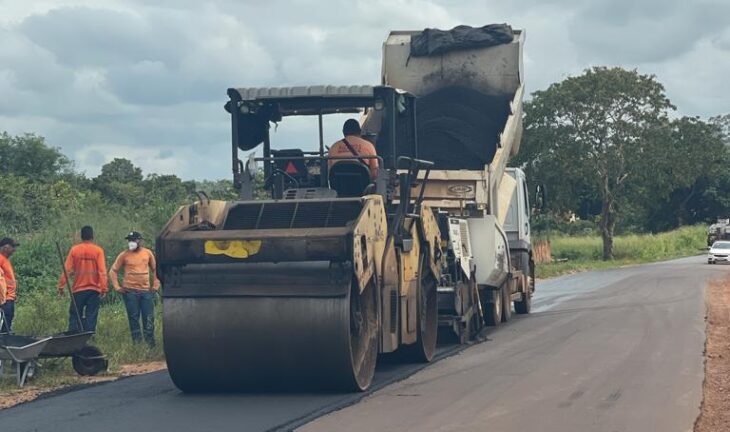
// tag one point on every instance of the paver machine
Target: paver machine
(315, 270)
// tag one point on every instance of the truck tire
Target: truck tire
(492, 307)
(525, 306)
(507, 301)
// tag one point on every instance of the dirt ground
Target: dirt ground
(715, 414)
(30, 392)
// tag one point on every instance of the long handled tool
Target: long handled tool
(68, 286)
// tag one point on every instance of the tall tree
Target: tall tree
(597, 132)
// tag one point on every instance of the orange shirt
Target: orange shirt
(10, 283)
(86, 265)
(137, 266)
(3, 287)
(362, 146)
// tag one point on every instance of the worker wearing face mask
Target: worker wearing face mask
(138, 287)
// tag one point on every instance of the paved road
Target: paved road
(618, 350)
(610, 351)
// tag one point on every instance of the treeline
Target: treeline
(39, 186)
(611, 151)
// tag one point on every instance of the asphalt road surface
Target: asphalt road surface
(617, 350)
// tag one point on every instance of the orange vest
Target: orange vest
(137, 266)
(10, 283)
(361, 146)
(86, 265)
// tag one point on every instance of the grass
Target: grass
(584, 252)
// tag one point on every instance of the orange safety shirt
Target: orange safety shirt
(10, 283)
(137, 265)
(3, 287)
(362, 146)
(86, 265)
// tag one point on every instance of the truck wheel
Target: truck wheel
(507, 301)
(523, 307)
(492, 307)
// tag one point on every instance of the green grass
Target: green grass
(584, 252)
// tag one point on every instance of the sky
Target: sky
(111, 78)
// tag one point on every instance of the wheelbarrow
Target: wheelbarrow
(23, 350)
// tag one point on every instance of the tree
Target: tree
(120, 181)
(699, 156)
(28, 156)
(723, 123)
(595, 135)
(167, 188)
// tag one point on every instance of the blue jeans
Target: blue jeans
(141, 304)
(9, 313)
(87, 302)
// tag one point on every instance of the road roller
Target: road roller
(317, 268)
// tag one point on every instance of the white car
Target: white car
(719, 252)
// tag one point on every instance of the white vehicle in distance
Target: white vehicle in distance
(719, 252)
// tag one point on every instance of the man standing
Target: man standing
(86, 265)
(138, 287)
(7, 248)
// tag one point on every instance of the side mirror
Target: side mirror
(251, 166)
(540, 197)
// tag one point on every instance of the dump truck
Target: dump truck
(469, 125)
(306, 286)
(720, 230)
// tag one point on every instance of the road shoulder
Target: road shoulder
(715, 412)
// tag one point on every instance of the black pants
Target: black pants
(88, 304)
(9, 314)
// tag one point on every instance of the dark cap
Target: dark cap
(133, 235)
(9, 241)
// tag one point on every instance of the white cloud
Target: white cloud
(124, 78)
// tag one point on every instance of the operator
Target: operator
(354, 144)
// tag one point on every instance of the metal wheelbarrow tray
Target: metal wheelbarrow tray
(23, 350)
(65, 344)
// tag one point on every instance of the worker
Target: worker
(138, 287)
(7, 249)
(354, 144)
(86, 265)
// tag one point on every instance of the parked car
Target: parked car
(719, 252)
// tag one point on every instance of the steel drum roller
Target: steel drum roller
(269, 327)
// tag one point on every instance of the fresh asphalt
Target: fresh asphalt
(617, 350)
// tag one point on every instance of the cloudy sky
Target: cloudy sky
(121, 78)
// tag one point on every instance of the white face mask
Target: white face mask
(133, 245)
